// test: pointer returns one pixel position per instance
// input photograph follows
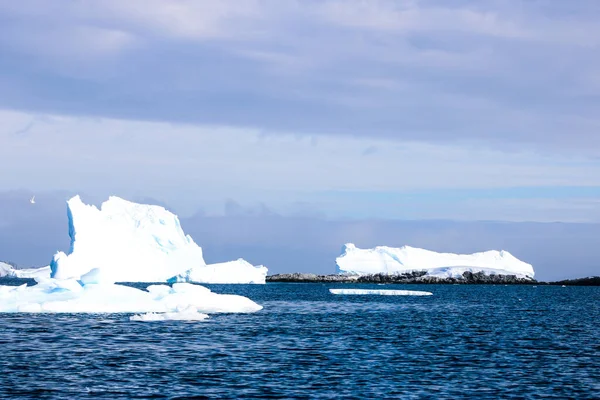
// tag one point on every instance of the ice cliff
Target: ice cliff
(129, 242)
(389, 260)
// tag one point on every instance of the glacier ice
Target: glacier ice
(72, 296)
(380, 292)
(389, 260)
(129, 242)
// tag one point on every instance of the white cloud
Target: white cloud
(482, 71)
(410, 16)
(186, 164)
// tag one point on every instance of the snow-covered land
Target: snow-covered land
(129, 242)
(389, 260)
(182, 301)
(380, 292)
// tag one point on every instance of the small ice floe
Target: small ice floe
(380, 292)
(187, 314)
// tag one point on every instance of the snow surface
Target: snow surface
(380, 292)
(129, 242)
(389, 260)
(72, 296)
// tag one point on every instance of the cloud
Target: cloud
(193, 166)
(370, 150)
(483, 72)
(410, 16)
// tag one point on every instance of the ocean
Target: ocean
(465, 341)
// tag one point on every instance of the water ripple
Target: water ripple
(462, 342)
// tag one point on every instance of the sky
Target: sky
(374, 113)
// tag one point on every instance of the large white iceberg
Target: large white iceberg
(129, 242)
(389, 260)
(182, 301)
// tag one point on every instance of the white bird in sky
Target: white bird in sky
(32, 201)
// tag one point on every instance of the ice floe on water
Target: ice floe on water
(71, 296)
(382, 292)
(187, 314)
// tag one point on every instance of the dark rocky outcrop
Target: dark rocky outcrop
(589, 281)
(411, 277)
(312, 278)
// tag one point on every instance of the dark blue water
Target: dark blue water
(462, 342)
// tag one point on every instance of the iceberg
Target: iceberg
(33, 273)
(183, 300)
(6, 270)
(380, 292)
(397, 261)
(239, 271)
(129, 242)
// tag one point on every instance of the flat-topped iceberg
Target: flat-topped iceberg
(182, 301)
(129, 242)
(403, 260)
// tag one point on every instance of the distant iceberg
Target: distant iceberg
(238, 271)
(129, 242)
(6, 270)
(396, 261)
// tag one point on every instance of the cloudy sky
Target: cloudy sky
(328, 109)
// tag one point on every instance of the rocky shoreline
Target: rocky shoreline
(422, 278)
(412, 277)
